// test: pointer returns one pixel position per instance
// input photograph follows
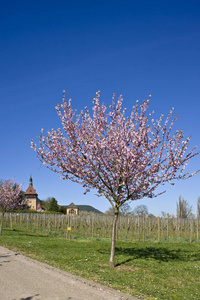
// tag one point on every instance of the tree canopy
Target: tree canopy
(183, 209)
(10, 195)
(124, 210)
(141, 210)
(50, 204)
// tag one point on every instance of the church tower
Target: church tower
(31, 196)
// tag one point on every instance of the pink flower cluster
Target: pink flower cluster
(123, 158)
(9, 195)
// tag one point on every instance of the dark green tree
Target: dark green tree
(53, 205)
(24, 206)
(62, 209)
(50, 204)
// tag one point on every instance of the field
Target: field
(148, 270)
(130, 228)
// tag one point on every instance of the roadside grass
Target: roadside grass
(148, 270)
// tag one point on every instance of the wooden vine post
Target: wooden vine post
(159, 229)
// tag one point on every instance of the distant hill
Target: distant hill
(88, 208)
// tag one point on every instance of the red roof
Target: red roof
(30, 191)
(72, 205)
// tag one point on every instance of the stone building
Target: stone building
(72, 209)
(31, 197)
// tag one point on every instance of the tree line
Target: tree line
(183, 210)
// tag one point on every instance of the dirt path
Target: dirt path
(22, 278)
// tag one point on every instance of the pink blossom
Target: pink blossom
(10, 195)
(122, 158)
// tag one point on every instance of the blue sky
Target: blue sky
(133, 48)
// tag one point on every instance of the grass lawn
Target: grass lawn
(149, 270)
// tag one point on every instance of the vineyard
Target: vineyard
(130, 228)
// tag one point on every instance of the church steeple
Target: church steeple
(31, 196)
(31, 181)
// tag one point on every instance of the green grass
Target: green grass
(149, 270)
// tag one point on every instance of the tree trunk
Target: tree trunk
(112, 253)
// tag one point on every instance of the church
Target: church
(31, 197)
(34, 203)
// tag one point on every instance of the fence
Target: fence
(131, 228)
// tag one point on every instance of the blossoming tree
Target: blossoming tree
(9, 197)
(123, 158)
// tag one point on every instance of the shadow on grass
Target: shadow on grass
(156, 253)
(24, 233)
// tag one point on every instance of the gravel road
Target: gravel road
(22, 278)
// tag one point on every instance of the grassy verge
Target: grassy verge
(146, 270)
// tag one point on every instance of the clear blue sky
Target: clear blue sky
(133, 48)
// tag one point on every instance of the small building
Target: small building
(72, 209)
(31, 197)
